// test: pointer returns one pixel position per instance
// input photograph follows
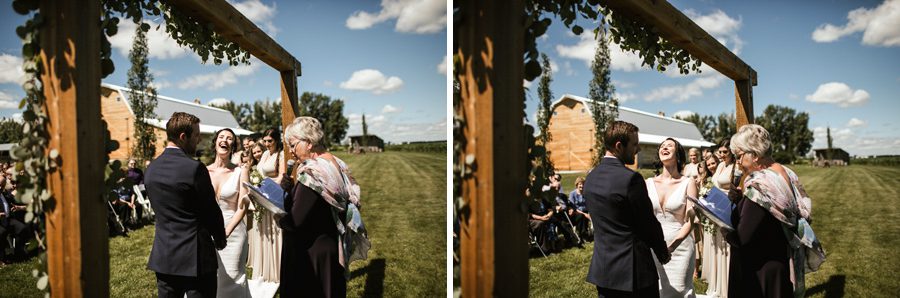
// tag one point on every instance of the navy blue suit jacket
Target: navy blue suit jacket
(625, 228)
(188, 219)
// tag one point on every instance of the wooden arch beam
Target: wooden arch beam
(676, 27)
(234, 26)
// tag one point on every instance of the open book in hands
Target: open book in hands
(716, 206)
(269, 195)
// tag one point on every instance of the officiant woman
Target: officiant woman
(765, 218)
(313, 261)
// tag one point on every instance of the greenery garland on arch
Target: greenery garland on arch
(33, 160)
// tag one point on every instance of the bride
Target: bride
(668, 193)
(231, 195)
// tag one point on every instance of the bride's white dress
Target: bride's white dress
(675, 277)
(232, 277)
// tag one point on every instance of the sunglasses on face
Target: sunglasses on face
(268, 140)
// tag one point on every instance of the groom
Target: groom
(189, 224)
(625, 229)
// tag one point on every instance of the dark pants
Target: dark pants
(20, 231)
(652, 292)
(176, 286)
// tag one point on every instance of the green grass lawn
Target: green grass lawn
(856, 216)
(404, 208)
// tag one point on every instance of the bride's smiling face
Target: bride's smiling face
(667, 152)
(224, 142)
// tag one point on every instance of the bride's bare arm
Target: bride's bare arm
(688, 217)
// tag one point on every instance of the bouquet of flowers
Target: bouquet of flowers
(705, 222)
(256, 178)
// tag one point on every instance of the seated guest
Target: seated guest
(771, 219)
(12, 223)
(540, 215)
(578, 211)
(553, 194)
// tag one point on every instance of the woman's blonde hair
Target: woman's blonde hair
(305, 128)
(752, 138)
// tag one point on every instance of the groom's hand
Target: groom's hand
(665, 258)
(220, 243)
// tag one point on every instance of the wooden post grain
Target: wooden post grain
(77, 238)
(289, 105)
(494, 242)
(743, 102)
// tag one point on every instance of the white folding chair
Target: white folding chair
(148, 212)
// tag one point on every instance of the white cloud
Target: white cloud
(681, 93)
(586, 47)
(721, 26)
(390, 109)
(855, 123)
(423, 16)
(840, 94)
(372, 80)
(160, 85)
(880, 25)
(11, 69)
(623, 97)
(217, 80)
(9, 101)
(17, 117)
(683, 114)
(623, 84)
(258, 13)
(442, 67)
(568, 70)
(218, 101)
(554, 68)
(160, 44)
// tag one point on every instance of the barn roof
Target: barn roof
(211, 118)
(654, 129)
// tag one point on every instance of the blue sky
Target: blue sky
(842, 68)
(382, 58)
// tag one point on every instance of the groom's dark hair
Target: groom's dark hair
(179, 123)
(618, 131)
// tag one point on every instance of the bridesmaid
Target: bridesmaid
(266, 235)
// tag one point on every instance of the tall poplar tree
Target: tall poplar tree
(142, 97)
(604, 107)
(544, 166)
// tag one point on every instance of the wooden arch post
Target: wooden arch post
(494, 241)
(77, 237)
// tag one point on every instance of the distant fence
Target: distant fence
(436, 146)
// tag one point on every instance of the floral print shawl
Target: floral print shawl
(341, 191)
(790, 205)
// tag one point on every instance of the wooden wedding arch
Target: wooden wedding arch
(77, 240)
(493, 236)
